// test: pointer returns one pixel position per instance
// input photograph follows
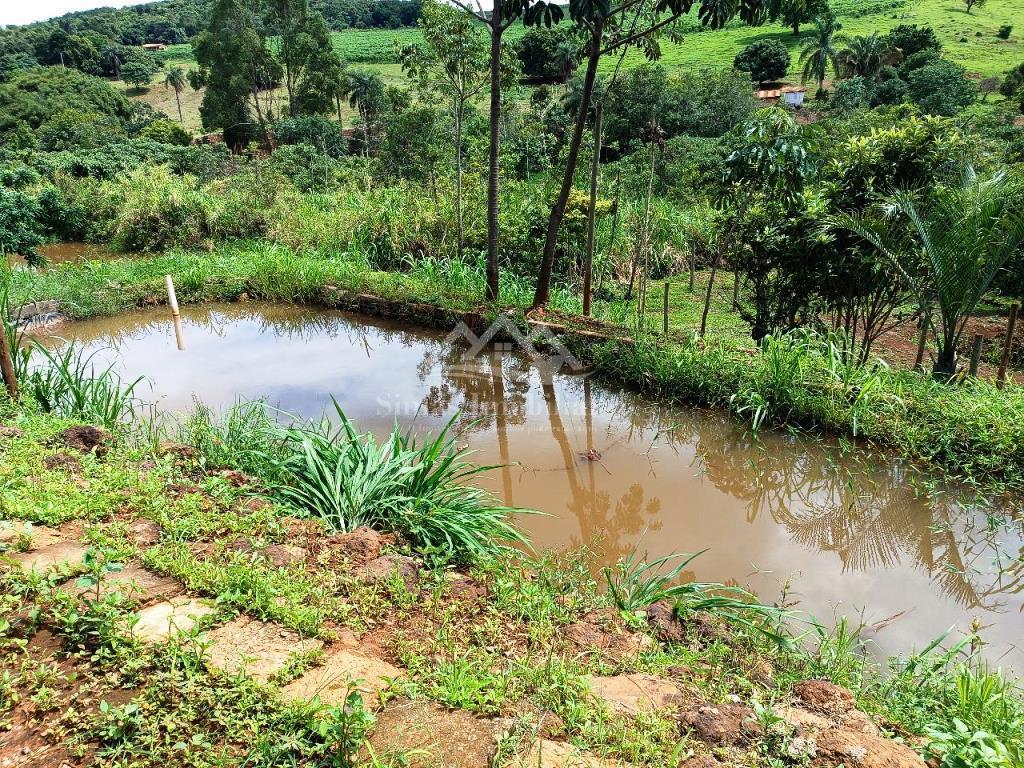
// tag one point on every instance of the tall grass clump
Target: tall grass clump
(245, 437)
(417, 488)
(69, 384)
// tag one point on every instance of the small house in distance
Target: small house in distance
(790, 95)
(154, 46)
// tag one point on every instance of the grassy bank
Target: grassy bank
(972, 430)
(482, 664)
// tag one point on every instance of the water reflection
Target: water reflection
(852, 532)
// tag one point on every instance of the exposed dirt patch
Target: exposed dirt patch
(86, 438)
(63, 462)
(667, 627)
(598, 633)
(358, 547)
(283, 555)
(824, 696)
(387, 567)
(341, 672)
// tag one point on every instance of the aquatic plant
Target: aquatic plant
(419, 489)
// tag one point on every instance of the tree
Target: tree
(175, 78)
(763, 197)
(287, 18)
(238, 71)
(793, 13)
(318, 90)
(364, 90)
(866, 56)
(1013, 83)
(548, 54)
(504, 13)
(610, 28)
(955, 247)
(942, 88)
(765, 60)
(138, 69)
(453, 63)
(972, 4)
(821, 51)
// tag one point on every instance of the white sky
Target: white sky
(24, 11)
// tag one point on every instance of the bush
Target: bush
(316, 131)
(149, 209)
(889, 92)
(539, 52)
(942, 88)
(20, 230)
(72, 129)
(765, 60)
(1004, 32)
(166, 132)
(849, 95)
(1013, 83)
(33, 96)
(911, 39)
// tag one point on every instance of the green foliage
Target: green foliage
(911, 39)
(765, 60)
(849, 95)
(20, 226)
(417, 489)
(319, 132)
(34, 96)
(72, 129)
(1013, 83)
(549, 54)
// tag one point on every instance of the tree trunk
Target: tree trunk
(494, 167)
(945, 363)
(177, 98)
(7, 362)
(540, 298)
(595, 167)
(458, 177)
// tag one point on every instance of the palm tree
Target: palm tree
(567, 57)
(365, 92)
(175, 78)
(866, 55)
(820, 51)
(952, 248)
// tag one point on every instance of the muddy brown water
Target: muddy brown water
(69, 253)
(832, 532)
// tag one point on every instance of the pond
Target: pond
(828, 531)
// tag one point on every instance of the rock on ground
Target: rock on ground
(386, 567)
(332, 681)
(824, 696)
(158, 622)
(51, 557)
(553, 754)
(434, 736)
(255, 647)
(632, 694)
(840, 747)
(134, 582)
(722, 725)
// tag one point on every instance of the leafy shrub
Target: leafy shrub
(1005, 31)
(166, 132)
(72, 129)
(849, 95)
(20, 228)
(545, 53)
(890, 92)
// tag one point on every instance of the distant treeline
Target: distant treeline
(88, 39)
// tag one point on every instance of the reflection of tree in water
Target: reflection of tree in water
(871, 514)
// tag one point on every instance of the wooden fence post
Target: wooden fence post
(664, 323)
(979, 340)
(1004, 363)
